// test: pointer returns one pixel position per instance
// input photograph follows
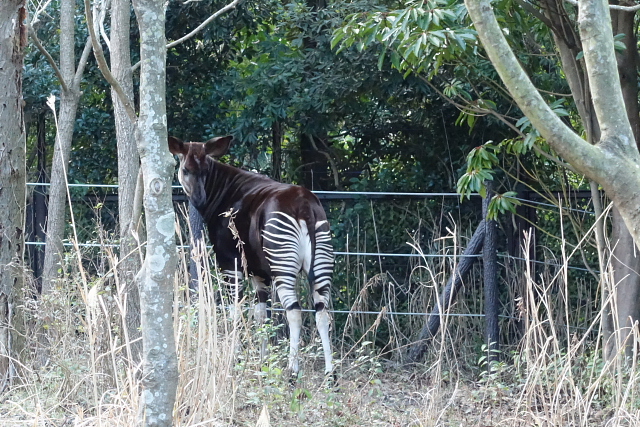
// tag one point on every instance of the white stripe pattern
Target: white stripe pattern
(287, 246)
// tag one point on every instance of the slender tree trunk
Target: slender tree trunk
(128, 163)
(12, 170)
(625, 260)
(196, 243)
(69, 99)
(39, 202)
(449, 293)
(158, 271)
(315, 167)
(276, 148)
(490, 264)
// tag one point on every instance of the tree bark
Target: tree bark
(490, 265)
(625, 260)
(69, 99)
(39, 203)
(196, 243)
(128, 163)
(449, 293)
(12, 170)
(158, 270)
(276, 149)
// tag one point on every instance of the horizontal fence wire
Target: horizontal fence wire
(350, 194)
(341, 253)
(400, 313)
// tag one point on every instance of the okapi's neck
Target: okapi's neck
(225, 186)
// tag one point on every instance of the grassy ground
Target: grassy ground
(75, 366)
(64, 380)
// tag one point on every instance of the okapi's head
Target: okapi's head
(194, 164)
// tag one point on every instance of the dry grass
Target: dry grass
(77, 368)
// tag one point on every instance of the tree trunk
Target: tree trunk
(39, 203)
(315, 167)
(12, 170)
(449, 294)
(157, 275)
(490, 264)
(128, 164)
(276, 149)
(625, 260)
(69, 99)
(196, 243)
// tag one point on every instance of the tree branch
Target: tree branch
(596, 33)
(104, 68)
(82, 63)
(562, 139)
(332, 163)
(199, 28)
(535, 12)
(612, 6)
(103, 14)
(49, 58)
(230, 6)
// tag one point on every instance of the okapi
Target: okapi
(283, 227)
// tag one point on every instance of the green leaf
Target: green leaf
(381, 59)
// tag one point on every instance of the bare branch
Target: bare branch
(332, 163)
(535, 12)
(104, 68)
(39, 9)
(206, 22)
(562, 139)
(104, 5)
(613, 6)
(83, 62)
(46, 54)
(228, 7)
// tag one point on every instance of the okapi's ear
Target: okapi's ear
(218, 146)
(176, 146)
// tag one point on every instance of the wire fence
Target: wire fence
(374, 195)
(352, 194)
(342, 253)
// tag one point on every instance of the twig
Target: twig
(46, 54)
(332, 163)
(612, 6)
(104, 68)
(103, 14)
(84, 58)
(199, 28)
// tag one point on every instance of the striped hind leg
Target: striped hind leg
(285, 287)
(285, 242)
(320, 278)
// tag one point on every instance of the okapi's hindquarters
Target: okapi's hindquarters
(289, 249)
